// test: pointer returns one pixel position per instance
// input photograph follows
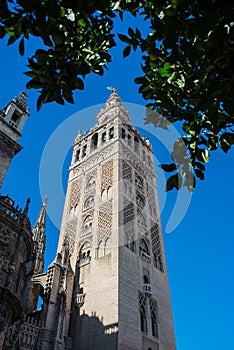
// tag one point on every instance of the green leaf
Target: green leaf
(11, 40)
(35, 84)
(139, 80)
(175, 181)
(21, 46)
(200, 166)
(168, 167)
(199, 174)
(130, 32)
(58, 38)
(2, 32)
(79, 84)
(203, 155)
(127, 51)
(225, 143)
(124, 38)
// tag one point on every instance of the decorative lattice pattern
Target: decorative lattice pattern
(126, 171)
(151, 199)
(107, 175)
(139, 182)
(128, 212)
(71, 228)
(155, 240)
(75, 194)
(105, 221)
(91, 181)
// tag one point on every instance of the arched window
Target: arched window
(131, 244)
(104, 195)
(109, 192)
(91, 184)
(154, 318)
(136, 144)
(140, 201)
(144, 251)
(89, 203)
(142, 222)
(143, 319)
(154, 324)
(84, 255)
(87, 225)
(94, 141)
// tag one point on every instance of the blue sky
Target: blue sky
(199, 251)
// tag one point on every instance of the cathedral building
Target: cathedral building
(107, 287)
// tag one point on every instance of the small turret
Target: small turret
(12, 120)
(16, 112)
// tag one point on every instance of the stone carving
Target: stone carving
(134, 161)
(126, 171)
(107, 175)
(75, 194)
(71, 228)
(91, 181)
(105, 221)
(90, 163)
(151, 200)
(156, 244)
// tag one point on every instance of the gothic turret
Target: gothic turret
(39, 239)
(12, 120)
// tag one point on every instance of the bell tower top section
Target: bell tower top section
(114, 107)
(16, 112)
(12, 120)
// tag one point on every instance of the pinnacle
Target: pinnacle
(41, 220)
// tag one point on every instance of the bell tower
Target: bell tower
(111, 223)
(12, 120)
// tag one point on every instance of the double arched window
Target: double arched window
(87, 225)
(142, 222)
(91, 184)
(84, 254)
(106, 194)
(89, 203)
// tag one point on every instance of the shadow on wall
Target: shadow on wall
(93, 335)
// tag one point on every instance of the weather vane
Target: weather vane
(112, 88)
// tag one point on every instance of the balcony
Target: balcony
(145, 256)
(147, 289)
(79, 300)
(84, 261)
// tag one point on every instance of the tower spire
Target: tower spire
(114, 108)
(40, 238)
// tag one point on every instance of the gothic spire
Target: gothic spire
(39, 238)
(41, 220)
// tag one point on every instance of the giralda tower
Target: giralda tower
(114, 279)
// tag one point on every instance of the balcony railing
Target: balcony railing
(84, 261)
(145, 256)
(79, 300)
(147, 289)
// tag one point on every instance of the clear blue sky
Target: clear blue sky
(199, 251)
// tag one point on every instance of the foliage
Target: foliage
(187, 74)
